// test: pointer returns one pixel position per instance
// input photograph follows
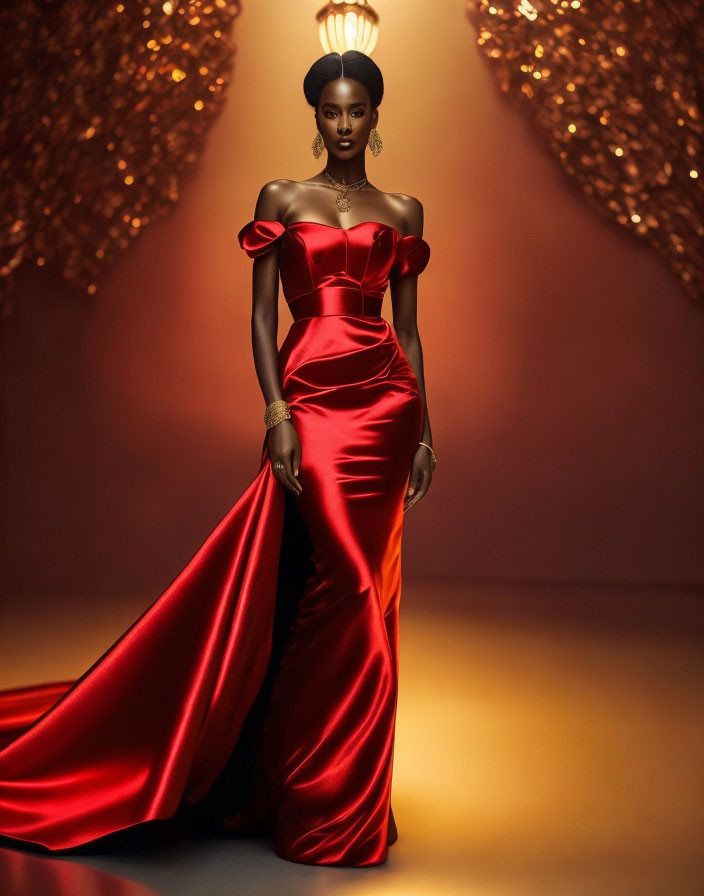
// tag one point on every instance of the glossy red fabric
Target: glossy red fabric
(261, 685)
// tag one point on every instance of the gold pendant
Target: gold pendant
(343, 201)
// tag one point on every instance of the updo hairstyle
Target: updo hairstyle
(351, 64)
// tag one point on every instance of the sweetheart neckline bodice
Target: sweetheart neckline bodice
(368, 252)
(286, 227)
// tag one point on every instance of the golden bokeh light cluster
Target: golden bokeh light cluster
(616, 87)
(105, 110)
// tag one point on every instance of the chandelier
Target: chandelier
(345, 25)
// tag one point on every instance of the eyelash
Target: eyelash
(361, 113)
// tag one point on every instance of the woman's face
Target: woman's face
(344, 113)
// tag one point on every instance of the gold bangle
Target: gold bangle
(432, 453)
(275, 412)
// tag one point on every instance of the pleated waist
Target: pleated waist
(329, 300)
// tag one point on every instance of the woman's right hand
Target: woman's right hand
(284, 449)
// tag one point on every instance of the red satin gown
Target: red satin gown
(261, 685)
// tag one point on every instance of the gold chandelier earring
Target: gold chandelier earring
(318, 145)
(374, 141)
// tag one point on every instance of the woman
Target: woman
(257, 694)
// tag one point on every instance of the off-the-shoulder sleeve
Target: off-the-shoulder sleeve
(412, 256)
(257, 237)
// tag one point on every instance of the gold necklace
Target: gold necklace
(343, 195)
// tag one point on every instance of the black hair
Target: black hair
(351, 64)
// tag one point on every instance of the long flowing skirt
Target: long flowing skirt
(260, 687)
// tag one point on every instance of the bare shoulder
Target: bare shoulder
(273, 199)
(409, 210)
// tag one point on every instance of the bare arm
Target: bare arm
(404, 299)
(282, 440)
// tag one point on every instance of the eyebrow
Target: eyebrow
(335, 105)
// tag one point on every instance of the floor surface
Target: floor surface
(549, 741)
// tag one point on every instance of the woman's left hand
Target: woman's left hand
(420, 478)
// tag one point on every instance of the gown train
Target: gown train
(260, 687)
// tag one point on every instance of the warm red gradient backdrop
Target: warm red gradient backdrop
(563, 364)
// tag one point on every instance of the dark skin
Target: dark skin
(344, 110)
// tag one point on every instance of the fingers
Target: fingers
(292, 468)
(417, 488)
(414, 481)
(281, 474)
(415, 498)
(296, 461)
(291, 481)
(285, 474)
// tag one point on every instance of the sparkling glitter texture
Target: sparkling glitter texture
(617, 90)
(105, 109)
